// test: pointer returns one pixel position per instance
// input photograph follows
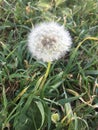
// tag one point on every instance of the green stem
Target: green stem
(46, 75)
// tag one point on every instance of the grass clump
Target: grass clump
(68, 100)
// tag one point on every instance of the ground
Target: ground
(68, 98)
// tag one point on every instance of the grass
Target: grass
(68, 97)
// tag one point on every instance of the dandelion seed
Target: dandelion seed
(49, 41)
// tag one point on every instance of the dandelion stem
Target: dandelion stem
(46, 75)
(48, 68)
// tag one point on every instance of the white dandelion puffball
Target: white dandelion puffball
(49, 41)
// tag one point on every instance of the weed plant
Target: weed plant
(69, 98)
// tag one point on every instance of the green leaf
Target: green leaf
(4, 99)
(44, 4)
(58, 2)
(91, 72)
(66, 100)
(41, 109)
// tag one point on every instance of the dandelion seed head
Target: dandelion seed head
(49, 41)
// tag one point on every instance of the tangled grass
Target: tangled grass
(68, 99)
